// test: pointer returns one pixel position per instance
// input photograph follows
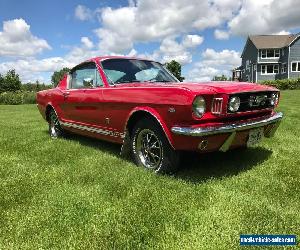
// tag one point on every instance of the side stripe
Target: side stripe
(92, 129)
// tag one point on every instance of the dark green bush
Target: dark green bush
(18, 97)
(283, 83)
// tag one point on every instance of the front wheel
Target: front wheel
(151, 148)
(55, 130)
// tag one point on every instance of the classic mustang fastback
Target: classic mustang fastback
(141, 105)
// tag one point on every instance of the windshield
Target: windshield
(132, 70)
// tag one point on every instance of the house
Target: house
(270, 57)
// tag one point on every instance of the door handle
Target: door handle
(66, 94)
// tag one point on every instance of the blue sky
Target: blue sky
(206, 37)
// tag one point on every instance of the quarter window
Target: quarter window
(86, 76)
(269, 69)
(295, 66)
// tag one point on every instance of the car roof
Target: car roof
(101, 58)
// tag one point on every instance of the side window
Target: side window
(86, 76)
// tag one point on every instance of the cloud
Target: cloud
(265, 17)
(83, 13)
(148, 20)
(170, 49)
(16, 40)
(31, 68)
(87, 42)
(191, 41)
(221, 34)
(214, 63)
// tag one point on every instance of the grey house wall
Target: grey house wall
(250, 53)
(284, 59)
(294, 56)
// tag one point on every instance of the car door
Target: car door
(83, 97)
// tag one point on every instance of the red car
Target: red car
(141, 105)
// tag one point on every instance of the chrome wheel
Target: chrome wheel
(54, 126)
(149, 149)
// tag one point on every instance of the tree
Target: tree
(175, 68)
(58, 76)
(221, 78)
(10, 82)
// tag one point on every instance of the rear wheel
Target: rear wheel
(55, 130)
(151, 148)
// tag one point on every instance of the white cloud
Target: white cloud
(214, 63)
(221, 34)
(83, 13)
(265, 17)
(16, 40)
(170, 49)
(149, 20)
(87, 42)
(191, 41)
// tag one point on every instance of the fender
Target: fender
(157, 117)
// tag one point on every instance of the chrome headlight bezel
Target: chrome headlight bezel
(234, 104)
(199, 106)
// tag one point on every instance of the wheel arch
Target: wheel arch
(147, 112)
(49, 107)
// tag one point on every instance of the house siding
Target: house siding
(250, 53)
(294, 56)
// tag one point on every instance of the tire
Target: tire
(55, 130)
(151, 149)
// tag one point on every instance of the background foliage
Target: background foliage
(283, 84)
(175, 68)
(58, 76)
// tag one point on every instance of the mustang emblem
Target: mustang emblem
(257, 100)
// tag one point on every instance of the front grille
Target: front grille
(217, 105)
(253, 101)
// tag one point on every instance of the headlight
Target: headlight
(199, 106)
(234, 104)
(274, 99)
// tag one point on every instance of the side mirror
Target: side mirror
(88, 82)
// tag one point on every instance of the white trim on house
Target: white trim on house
(297, 66)
(288, 62)
(266, 53)
(265, 70)
(283, 68)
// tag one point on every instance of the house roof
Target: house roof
(272, 41)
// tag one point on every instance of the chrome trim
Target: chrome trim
(93, 129)
(228, 128)
(144, 110)
(217, 106)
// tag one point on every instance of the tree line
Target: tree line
(10, 82)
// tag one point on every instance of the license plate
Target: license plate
(255, 136)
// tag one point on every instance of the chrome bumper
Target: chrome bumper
(228, 128)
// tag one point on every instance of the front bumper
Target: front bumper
(231, 128)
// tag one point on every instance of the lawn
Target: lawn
(78, 193)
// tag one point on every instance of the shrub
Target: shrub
(19, 97)
(283, 83)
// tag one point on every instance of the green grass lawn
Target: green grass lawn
(78, 193)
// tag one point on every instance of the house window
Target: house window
(282, 52)
(295, 66)
(247, 64)
(283, 68)
(269, 69)
(270, 53)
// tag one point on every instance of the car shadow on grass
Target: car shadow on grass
(197, 168)
(194, 167)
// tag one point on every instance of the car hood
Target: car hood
(216, 87)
